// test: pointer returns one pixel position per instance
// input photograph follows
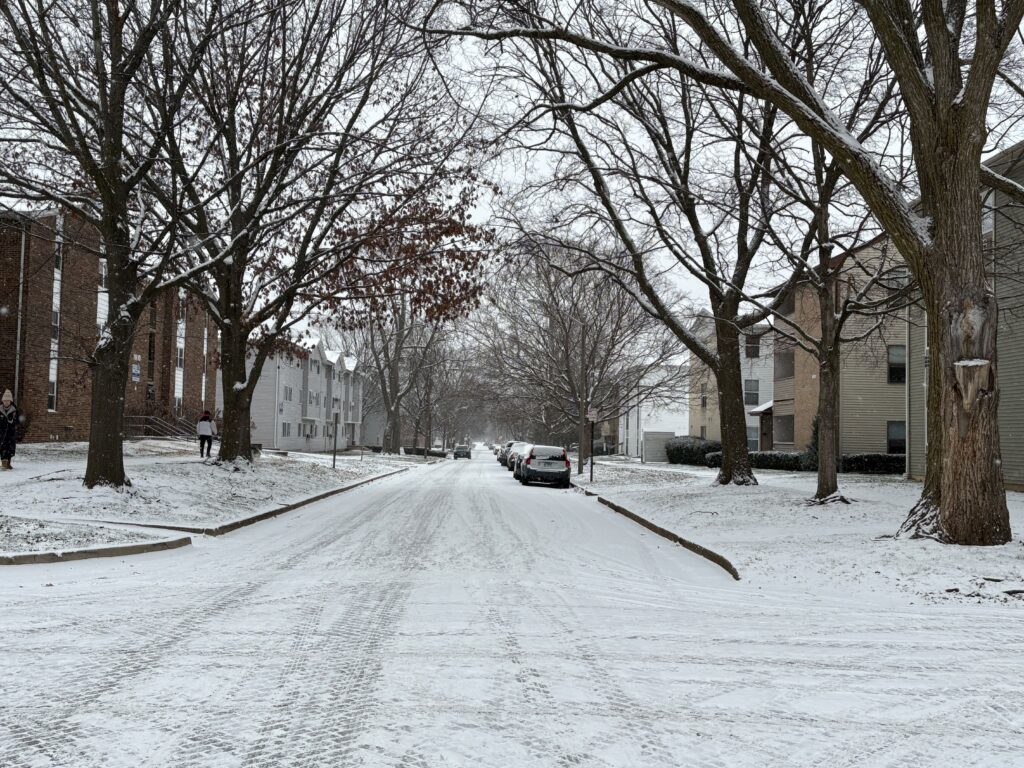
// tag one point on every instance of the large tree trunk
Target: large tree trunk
(963, 308)
(828, 423)
(236, 434)
(390, 444)
(584, 447)
(105, 462)
(973, 503)
(735, 467)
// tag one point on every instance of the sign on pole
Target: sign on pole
(592, 414)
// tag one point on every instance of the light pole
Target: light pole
(334, 459)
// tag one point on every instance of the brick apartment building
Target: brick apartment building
(53, 304)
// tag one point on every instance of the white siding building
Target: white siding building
(644, 428)
(297, 396)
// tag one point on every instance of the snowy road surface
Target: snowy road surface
(450, 617)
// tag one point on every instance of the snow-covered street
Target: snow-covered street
(448, 616)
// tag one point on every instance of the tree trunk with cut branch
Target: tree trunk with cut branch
(735, 469)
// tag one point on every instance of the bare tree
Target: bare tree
(295, 171)
(78, 83)
(570, 345)
(944, 58)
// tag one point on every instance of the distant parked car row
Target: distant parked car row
(529, 462)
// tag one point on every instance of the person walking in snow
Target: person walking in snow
(206, 429)
(9, 423)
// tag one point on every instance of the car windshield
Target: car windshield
(548, 452)
(461, 447)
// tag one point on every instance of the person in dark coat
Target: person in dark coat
(206, 429)
(9, 423)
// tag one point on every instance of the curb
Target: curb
(28, 558)
(232, 525)
(697, 549)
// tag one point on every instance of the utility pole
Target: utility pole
(592, 418)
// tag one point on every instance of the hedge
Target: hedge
(792, 462)
(861, 463)
(409, 451)
(690, 450)
(874, 463)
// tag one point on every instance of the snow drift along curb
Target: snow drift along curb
(219, 530)
(697, 549)
(27, 558)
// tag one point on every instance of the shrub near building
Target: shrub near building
(690, 450)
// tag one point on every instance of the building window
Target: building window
(782, 427)
(703, 396)
(703, 433)
(897, 364)
(177, 405)
(785, 363)
(55, 325)
(896, 436)
(286, 429)
(51, 396)
(751, 390)
(753, 346)
(179, 373)
(788, 305)
(151, 356)
(752, 438)
(897, 279)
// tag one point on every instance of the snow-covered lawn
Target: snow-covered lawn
(777, 541)
(171, 485)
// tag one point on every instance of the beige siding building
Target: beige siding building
(872, 378)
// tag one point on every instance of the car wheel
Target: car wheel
(524, 480)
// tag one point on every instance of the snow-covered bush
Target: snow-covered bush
(858, 463)
(792, 462)
(874, 463)
(690, 450)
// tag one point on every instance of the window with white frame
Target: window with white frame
(751, 392)
(179, 361)
(752, 438)
(102, 297)
(286, 429)
(58, 270)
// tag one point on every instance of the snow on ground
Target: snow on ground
(451, 617)
(171, 485)
(775, 539)
(19, 534)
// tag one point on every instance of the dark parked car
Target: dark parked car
(503, 453)
(513, 454)
(544, 463)
(462, 452)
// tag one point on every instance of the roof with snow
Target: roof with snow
(762, 408)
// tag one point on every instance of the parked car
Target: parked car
(513, 453)
(544, 463)
(503, 453)
(518, 462)
(462, 452)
